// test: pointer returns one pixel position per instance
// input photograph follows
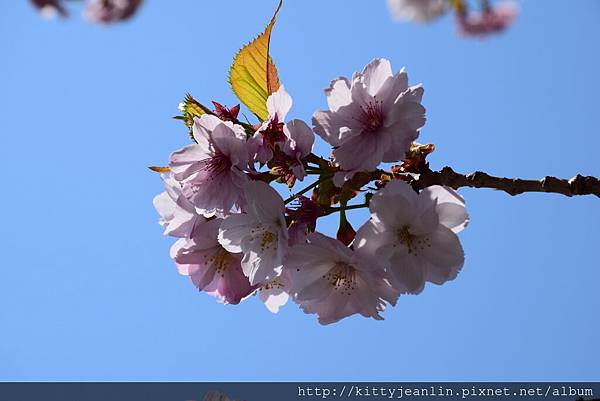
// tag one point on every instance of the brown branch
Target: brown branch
(578, 185)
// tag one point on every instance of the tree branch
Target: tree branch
(578, 185)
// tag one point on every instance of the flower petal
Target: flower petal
(445, 250)
(300, 139)
(235, 148)
(361, 152)
(453, 216)
(392, 88)
(338, 94)
(279, 104)
(407, 273)
(329, 126)
(408, 110)
(202, 128)
(274, 299)
(374, 243)
(306, 264)
(233, 230)
(264, 202)
(260, 265)
(450, 206)
(183, 162)
(165, 206)
(395, 205)
(376, 74)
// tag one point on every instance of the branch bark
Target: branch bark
(578, 185)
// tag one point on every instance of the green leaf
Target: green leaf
(253, 75)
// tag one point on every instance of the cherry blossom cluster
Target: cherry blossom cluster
(97, 11)
(484, 20)
(237, 236)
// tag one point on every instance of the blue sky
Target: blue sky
(87, 289)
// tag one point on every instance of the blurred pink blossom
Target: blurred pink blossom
(50, 8)
(109, 11)
(417, 10)
(491, 20)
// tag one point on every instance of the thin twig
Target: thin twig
(303, 191)
(349, 207)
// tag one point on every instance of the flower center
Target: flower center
(216, 164)
(220, 261)
(267, 239)
(276, 283)
(373, 115)
(273, 133)
(283, 165)
(342, 278)
(413, 243)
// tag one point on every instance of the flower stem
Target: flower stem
(305, 190)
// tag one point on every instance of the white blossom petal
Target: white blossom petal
(374, 244)
(300, 139)
(375, 74)
(265, 203)
(338, 94)
(445, 250)
(408, 273)
(279, 104)
(232, 231)
(274, 299)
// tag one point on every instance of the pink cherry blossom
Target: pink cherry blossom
(335, 282)
(260, 233)
(372, 119)
(414, 235)
(211, 268)
(211, 171)
(178, 215)
(491, 20)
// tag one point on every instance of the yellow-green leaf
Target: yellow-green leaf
(253, 76)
